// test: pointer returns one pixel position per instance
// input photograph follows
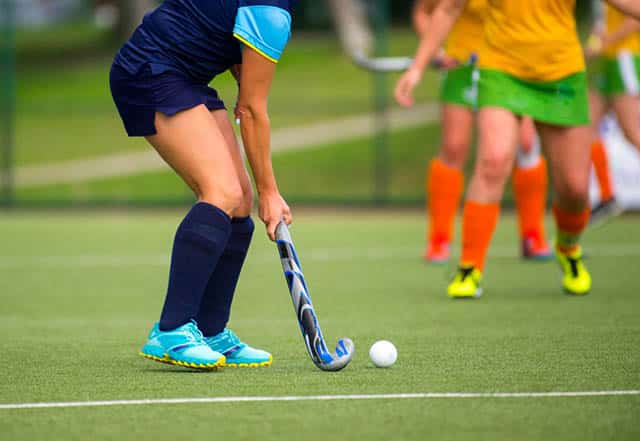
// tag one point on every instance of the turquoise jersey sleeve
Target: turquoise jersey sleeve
(266, 29)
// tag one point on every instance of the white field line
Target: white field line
(294, 138)
(312, 255)
(406, 396)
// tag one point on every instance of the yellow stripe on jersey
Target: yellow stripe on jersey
(246, 43)
(467, 35)
(532, 39)
(615, 19)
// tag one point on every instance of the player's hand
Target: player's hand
(594, 46)
(444, 61)
(406, 85)
(272, 210)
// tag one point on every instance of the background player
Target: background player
(445, 178)
(159, 82)
(616, 44)
(533, 65)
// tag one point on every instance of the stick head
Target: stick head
(344, 353)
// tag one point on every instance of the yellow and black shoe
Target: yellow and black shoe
(466, 283)
(576, 280)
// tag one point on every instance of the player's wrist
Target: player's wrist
(267, 189)
(417, 71)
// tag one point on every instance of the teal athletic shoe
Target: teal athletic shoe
(184, 346)
(238, 354)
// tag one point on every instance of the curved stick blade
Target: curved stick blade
(305, 313)
(344, 353)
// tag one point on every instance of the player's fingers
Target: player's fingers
(271, 228)
(286, 215)
(401, 93)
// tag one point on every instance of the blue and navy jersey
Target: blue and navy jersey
(203, 38)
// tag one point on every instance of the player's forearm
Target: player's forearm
(442, 20)
(629, 26)
(631, 7)
(256, 137)
(421, 17)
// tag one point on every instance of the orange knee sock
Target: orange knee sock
(478, 224)
(530, 190)
(570, 227)
(444, 190)
(601, 167)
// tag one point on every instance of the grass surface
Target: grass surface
(80, 291)
(340, 172)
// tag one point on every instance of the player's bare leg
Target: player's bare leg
(193, 145)
(498, 132)
(445, 180)
(627, 111)
(607, 206)
(215, 307)
(530, 190)
(569, 156)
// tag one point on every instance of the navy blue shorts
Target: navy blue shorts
(138, 97)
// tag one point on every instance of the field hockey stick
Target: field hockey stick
(307, 319)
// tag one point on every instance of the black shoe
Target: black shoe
(604, 211)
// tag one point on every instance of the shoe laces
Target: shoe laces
(194, 333)
(465, 272)
(226, 338)
(573, 263)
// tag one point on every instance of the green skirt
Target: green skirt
(460, 86)
(618, 76)
(563, 102)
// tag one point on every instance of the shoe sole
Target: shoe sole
(476, 295)
(250, 365)
(537, 258)
(575, 294)
(603, 219)
(432, 261)
(168, 360)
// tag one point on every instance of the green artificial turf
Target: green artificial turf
(344, 171)
(79, 292)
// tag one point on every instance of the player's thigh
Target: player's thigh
(568, 152)
(457, 131)
(526, 134)
(627, 110)
(224, 124)
(597, 108)
(193, 145)
(498, 137)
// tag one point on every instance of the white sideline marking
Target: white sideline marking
(428, 395)
(310, 255)
(285, 139)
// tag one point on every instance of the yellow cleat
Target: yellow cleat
(466, 283)
(576, 280)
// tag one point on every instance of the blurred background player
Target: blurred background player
(159, 82)
(616, 44)
(445, 178)
(532, 64)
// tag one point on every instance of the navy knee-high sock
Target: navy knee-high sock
(199, 242)
(215, 308)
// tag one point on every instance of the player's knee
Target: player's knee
(574, 189)
(228, 197)
(246, 204)
(454, 153)
(494, 167)
(632, 134)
